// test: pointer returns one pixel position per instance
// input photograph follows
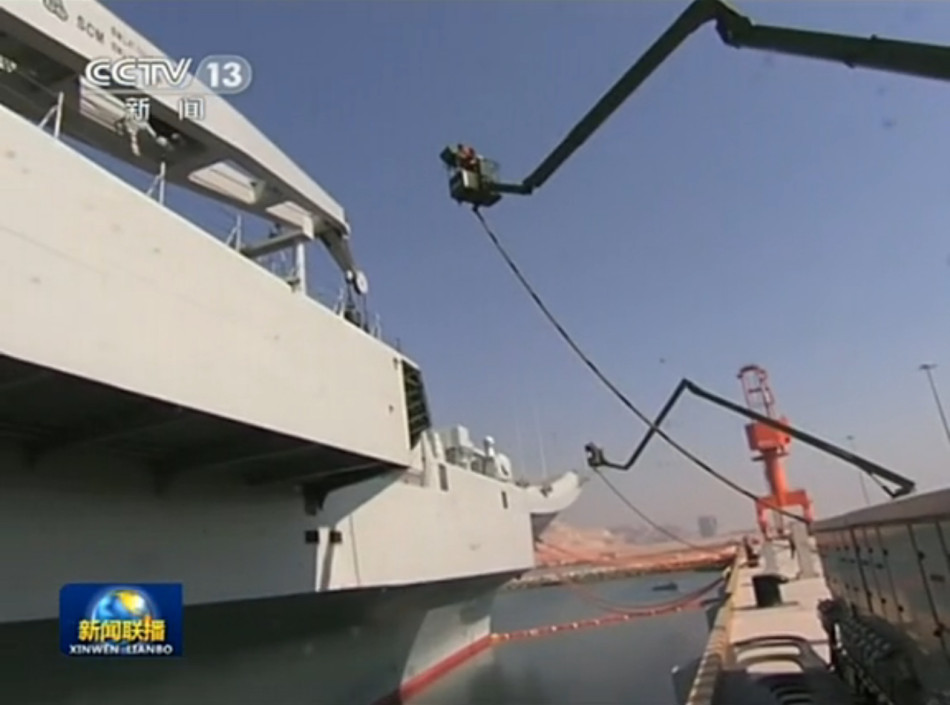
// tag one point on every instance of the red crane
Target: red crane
(771, 446)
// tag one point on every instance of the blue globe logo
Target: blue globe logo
(123, 605)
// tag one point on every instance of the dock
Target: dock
(763, 655)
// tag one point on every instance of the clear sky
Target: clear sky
(742, 207)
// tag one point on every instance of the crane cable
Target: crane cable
(600, 375)
(639, 512)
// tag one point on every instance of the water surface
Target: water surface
(624, 664)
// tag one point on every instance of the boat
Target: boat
(176, 408)
(666, 587)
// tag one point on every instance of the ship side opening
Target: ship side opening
(418, 419)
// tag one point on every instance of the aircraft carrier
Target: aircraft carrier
(171, 410)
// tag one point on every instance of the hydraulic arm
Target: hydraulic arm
(903, 485)
(473, 179)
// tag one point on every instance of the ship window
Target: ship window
(336, 536)
(311, 536)
(443, 478)
(504, 500)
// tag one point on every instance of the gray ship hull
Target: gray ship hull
(173, 412)
(352, 647)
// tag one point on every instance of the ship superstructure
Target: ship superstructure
(273, 454)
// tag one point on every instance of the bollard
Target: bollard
(767, 589)
(804, 551)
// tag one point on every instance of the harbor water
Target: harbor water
(618, 664)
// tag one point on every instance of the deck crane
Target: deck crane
(473, 179)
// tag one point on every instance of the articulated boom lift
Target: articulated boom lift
(771, 446)
(474, 179)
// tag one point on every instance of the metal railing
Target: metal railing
(83, 104)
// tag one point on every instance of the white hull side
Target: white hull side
(92, 518)
(345, 648)
(103, 282)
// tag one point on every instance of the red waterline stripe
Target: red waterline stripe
(421, 681)
(415, 685)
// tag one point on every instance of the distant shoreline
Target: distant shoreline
(706, 561)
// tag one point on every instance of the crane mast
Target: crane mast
(771, 447)
(473, 179)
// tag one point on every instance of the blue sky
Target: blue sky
(742, 207)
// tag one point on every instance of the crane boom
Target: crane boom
(903, 485)
(472, 178)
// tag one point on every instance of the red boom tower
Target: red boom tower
(771, 446)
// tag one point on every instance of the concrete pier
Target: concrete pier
(755, 652)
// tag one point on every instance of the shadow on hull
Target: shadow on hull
(352, 647)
